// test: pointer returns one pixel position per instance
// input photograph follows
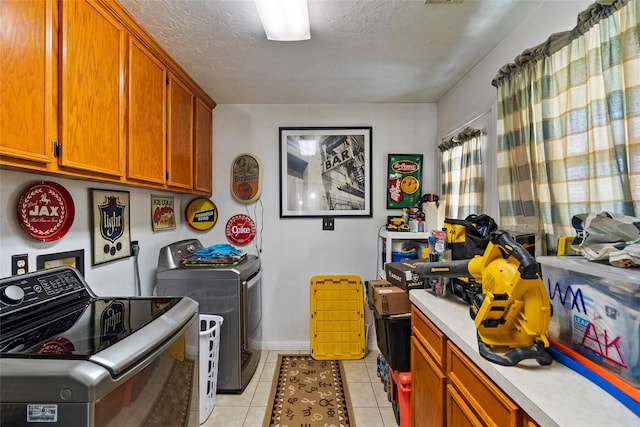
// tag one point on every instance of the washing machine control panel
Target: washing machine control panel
(185, 251)
(171, 256)
(36, 288)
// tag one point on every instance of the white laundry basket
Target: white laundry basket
(209, 351)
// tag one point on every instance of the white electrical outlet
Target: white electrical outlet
(19, 264)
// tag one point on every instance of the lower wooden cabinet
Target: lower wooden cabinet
(448, 389)
(490, 405)
(459, 413)
(428, 384)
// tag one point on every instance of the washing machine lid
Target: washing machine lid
(82, 331)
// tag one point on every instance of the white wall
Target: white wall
(113, 278)
(293, 250)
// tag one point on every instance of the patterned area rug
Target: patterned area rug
(309, 393)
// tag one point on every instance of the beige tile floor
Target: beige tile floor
(368, 398)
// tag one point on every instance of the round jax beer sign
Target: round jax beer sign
(240, 229)
(46, 211)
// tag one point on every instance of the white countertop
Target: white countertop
(552, 395)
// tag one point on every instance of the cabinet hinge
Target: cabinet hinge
(167, 81)
(166, 176)
(57, 149)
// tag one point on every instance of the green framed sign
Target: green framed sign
(404, 180)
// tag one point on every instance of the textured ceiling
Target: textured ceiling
(361, 51)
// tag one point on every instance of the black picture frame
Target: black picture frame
(325, 172)
(71, 258)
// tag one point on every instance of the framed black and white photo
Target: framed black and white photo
(325, 172)
(111, 230)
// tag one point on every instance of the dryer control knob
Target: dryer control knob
(12, 295)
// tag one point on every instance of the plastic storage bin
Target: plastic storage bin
(403, 256)
(209, 352)
(337, 317)
(401, 384)
(393, 334)
(596, 317)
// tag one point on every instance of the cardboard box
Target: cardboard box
(371, 285)
(391, 300)
(403, 275)
(596, 308)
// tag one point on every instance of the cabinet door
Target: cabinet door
(490, 404)
(146, 153)
(203, 153)
(428, 384)
(92, 89)
(180, 136)
(28, 64)
(458, 412)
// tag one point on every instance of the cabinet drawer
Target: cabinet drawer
(491, 405)
(430, 336)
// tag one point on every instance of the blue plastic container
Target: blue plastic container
(403, 256)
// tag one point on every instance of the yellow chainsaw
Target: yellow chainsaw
(513, 309)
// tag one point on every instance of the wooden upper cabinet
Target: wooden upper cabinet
(180, 134)
(203, 150)
(146, 146)
(86, 92)
(92, 89)
(28, 65)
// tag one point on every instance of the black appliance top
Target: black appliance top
(53, 314)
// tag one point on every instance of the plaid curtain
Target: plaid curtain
(462, 181)
(569, 124)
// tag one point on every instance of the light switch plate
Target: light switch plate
(328, 223)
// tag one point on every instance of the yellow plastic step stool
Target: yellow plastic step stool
(337, 318)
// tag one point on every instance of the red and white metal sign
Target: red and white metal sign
(240, 229)
(46, 211)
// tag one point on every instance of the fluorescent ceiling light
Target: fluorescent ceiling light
(284, 20)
